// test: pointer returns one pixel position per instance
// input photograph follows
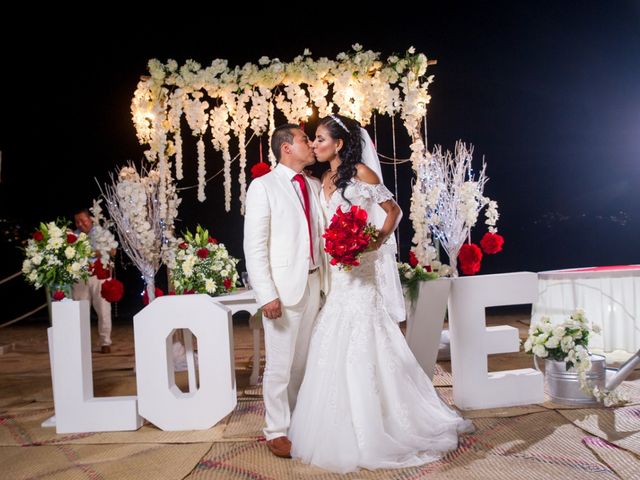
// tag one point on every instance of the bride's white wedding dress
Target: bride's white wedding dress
(365, 401)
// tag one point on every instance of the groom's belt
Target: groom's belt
(313, 270)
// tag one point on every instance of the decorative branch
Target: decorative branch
(132, 200)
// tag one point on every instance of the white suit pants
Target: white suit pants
(286, 345)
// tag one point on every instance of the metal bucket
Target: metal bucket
(564, 386)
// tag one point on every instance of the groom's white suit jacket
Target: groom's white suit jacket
(276, 239)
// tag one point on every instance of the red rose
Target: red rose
(58, 295)
(413, 260)
(37, 236)
(203, 253)
(213, 240)
(71, 238)
(260, 169)
(112, 290)
(145, 296)
(183, 246)
(346, 237)
(470, 268)
(492, 243)
(470, 258)
(99, 271)
(227, 283)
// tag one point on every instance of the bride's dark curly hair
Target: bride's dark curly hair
(351, 153)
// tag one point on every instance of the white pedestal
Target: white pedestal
(424, 323)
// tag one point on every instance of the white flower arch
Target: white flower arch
(229, 100)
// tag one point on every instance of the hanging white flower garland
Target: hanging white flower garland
(358, 82)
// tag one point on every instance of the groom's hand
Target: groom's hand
(272, 310)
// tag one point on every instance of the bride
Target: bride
(365, 401)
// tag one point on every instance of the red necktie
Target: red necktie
(305, 196)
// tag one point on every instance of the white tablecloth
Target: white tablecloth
(610, 298)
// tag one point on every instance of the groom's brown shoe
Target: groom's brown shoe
(280, 447)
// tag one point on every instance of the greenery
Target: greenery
(411, 277)
(202, 265)
(55, 256)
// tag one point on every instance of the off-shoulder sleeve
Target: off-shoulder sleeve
(378, 192)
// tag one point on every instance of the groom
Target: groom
(282, 235)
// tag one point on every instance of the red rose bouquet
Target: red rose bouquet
(348, 236)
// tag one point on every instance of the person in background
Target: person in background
(90, 290)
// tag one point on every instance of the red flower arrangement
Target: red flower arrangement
(470, 258)
(492, 243)
(71, 238)
(348, 236)
(112, 290)
(260, 169)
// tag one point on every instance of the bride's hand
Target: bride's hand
(376, 244)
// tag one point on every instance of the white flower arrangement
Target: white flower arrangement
(145, 231)
(101, 237)
(568, 342)
(360, 81)
(55, 257)
(197, 118)
(220, 138)
(239, 124)
(203, 265)
(446, 202)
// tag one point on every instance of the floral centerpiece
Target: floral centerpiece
(56, 258)
(567, 342)
(447, 200)
(202, 265)
(143, 206)
(348, 236)
(410, 277)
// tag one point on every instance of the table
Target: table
(610, 297)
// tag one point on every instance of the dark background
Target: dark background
(548, 93)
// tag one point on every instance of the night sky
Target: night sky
(548, 93)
